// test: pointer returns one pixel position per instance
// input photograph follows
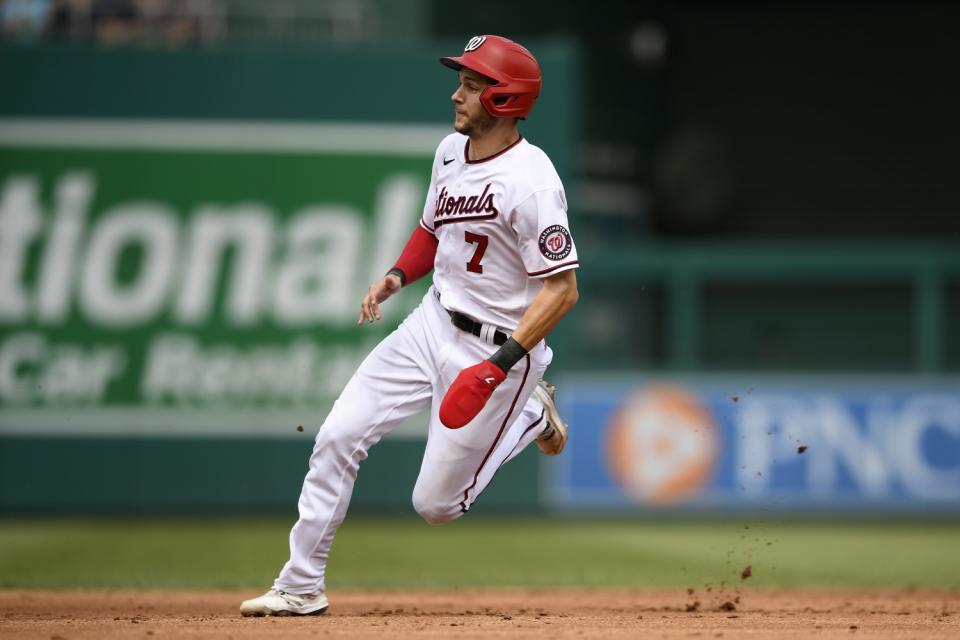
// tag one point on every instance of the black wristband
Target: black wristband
(400, 274)
(508, 355)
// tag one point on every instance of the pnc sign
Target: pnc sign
(716, 442)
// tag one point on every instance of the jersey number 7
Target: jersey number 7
(474, 265)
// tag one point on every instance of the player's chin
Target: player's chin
(461, 126)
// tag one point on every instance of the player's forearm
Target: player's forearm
(557, 297)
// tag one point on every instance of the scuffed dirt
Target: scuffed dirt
(501, 613)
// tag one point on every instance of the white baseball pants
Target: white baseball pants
(410, 369)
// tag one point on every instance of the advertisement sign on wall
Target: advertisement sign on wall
(717, 442)
(178, 278)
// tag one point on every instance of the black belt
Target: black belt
(468, 324)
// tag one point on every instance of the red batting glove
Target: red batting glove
(469, 393)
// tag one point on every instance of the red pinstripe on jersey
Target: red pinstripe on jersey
(506, 420)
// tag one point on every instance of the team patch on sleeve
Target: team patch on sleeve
(555, 242)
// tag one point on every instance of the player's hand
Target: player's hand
(377, 293)
(469, 393)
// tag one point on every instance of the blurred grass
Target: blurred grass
(404, 552)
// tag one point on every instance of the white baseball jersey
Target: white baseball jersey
(502, 225)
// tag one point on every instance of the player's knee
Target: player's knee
(437, 515)
(434, 511)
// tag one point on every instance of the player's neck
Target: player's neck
(494, 141)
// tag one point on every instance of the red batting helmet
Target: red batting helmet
(514, 70)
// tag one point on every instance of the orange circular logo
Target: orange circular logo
(662, 444)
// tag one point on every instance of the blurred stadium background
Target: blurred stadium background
(194, 195)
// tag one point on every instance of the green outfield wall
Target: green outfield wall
(185, 236)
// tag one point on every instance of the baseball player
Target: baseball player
(494, 232)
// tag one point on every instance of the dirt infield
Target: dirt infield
(567, 613)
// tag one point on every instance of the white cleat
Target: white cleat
(281, 603)
(554, 435)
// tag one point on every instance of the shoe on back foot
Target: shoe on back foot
(280, 603)
(554, 436)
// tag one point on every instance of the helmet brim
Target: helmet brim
(454, 63)
(474, 65)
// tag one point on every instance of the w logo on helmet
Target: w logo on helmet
(475, 43)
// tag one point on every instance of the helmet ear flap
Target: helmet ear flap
(501, 102)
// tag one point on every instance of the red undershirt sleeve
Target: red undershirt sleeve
(417, 257)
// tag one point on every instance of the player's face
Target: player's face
(471, 118)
